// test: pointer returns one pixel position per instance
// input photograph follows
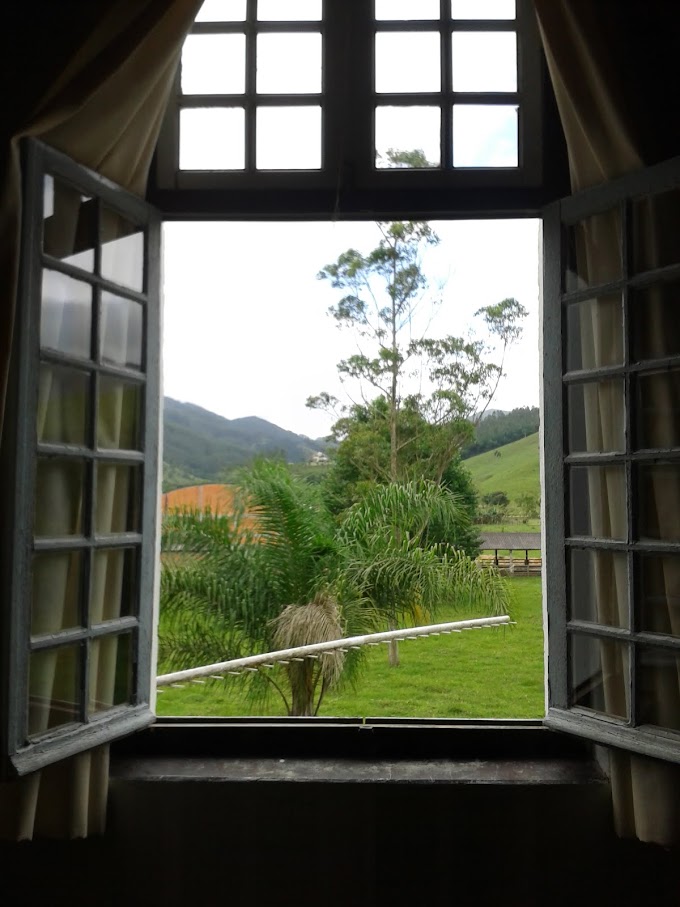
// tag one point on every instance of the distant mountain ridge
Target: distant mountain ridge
(200, 446)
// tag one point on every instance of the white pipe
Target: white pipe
(238, 664)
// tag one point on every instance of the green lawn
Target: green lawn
(477, 674)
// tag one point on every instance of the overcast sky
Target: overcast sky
(246, 329)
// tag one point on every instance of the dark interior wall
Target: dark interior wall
(205, 843)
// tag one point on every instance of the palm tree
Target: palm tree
(228, 590)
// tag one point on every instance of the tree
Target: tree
(382, 292)
(228, 590)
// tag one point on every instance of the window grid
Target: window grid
(635, 637)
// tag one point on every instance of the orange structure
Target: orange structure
(217, 499)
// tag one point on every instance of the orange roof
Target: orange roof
(216, 498)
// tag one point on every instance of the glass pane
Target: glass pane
(483, 9)
(289, 10)
(594, 333)
(289, 64)
(119, 414)
(484, 61)
(658, 687)
(657, 415)
(599, 675)
(407, 137)
(659, 502)
(594, 251)
(392, 49)
(406, 9)
(597, 502)
(65, 315)
(212, 138)
(53, 688)
(118, 502)
(658, 581)
(63, 403)
(655, 231)
(69, 224)
(655, 326)
(59, 492)
(222, 11)
(595, 417)
(122, 251)
(121, 331)
(214, 64)
(55, 603)
(485, 135)
(114, 584)
(598, 587)
(110, 672)
(288, 138)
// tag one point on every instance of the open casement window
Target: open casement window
(611, 429)
(83, 464)
(329, 107)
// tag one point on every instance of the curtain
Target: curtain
(95, 86)
(611, 69)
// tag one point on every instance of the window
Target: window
(612, 361)
(83, 462)
(344, 103)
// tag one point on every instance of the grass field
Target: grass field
(515, 472)
(476, 674)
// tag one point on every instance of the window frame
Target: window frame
(19, 456)
(349, 185)
(618, 195)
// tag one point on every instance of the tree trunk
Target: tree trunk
(302, 688)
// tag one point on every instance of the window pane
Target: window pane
(212, 138)
(483, 9)
(601, 236)
(69, 224)
(393, 49)
(65, 315)
(122, 251)
(484, 61)
(289, 10)
(406, 9)
(114, 584)
(598, 587)
(655, 231)
(222, 11)
(595, 416)
(597, 502)
(59, 491)
(122, 325)
(657, 422)
(53, 688)
(288, 138)
(594, 333)
(407, 137)
(118, 502)
(485, 135)
(55, 603)
(599, 675)
(658, 687)
(119, 414)
(655, 326)
(658, 580)
(63, 403)
(110, 672)
(214, 64)
(659, 502)
(289, 64)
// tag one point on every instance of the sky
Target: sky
(246, 328)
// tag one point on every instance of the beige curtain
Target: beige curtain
(608, 80)
(98, 94)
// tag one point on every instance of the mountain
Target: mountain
(200, 446)
(512, 468)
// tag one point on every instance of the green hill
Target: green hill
(515, 471)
